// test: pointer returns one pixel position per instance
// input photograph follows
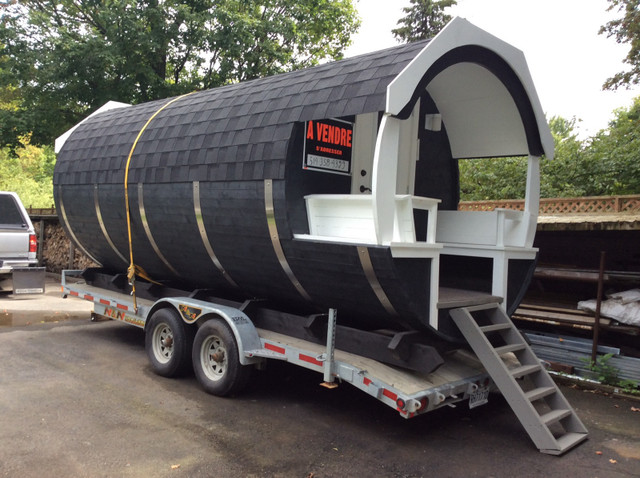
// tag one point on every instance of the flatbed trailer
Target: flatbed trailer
(460, 378)
(223, 345)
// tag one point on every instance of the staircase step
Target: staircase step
(535, 423)
(554, 416)
(510, 348)
(524, 370)
(540, 392)
(495, 327)
(566, 442)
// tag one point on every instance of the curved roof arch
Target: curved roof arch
(483, 89)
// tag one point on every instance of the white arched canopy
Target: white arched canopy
(481, 117)
(487, 102)
(481, 92)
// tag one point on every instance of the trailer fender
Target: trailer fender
(193, 310)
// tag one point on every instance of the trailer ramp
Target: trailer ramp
(536, 400)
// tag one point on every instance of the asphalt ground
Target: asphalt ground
(78, 398)
(50, 307)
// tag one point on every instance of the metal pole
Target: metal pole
(596, 323)
(331, 343)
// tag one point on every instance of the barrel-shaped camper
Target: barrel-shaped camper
(331, 187)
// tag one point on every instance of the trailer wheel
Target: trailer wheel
(168, 342)
(216, 360)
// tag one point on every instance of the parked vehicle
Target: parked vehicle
(18, 240)
(229, 221)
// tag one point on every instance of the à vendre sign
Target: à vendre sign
(328, 145)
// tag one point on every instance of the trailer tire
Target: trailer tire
(168, 342)
(216, 360)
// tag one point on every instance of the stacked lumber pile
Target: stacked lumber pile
(567, 317)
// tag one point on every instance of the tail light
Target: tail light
(33, 243)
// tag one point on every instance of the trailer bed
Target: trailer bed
(461, 376)
(459, 365)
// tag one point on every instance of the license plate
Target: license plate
(479, 397)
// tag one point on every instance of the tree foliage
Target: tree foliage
(68, 58)
(564, 176)
(28, 170)
(10, 101)
(487, 179)
(424, 19)
(625, 30)
(604, 165)
(611, 159)
(506, 178)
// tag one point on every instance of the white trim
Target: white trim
(365, 131)
(532, 198)
(408, 250)
(459, 32)
(434, 293)
(408, 152)
(110, 105)
(384, 178)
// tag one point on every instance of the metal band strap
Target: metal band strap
(197, 209)
(370, 274)
(275, 239)
(102, 227)
(73, 236)
(147, 230)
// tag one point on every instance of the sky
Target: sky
(567, 58)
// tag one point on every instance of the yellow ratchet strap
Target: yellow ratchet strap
(133, 269)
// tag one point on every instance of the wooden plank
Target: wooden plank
(566, 274)
(550, 308)
(622, 329)
(560, 367)
(449, 298)
(559, 316)
(553, 323)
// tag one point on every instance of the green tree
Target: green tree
(69, 58)
(625, 30)
(486, 179)
(612, 157)
(11, 126)
(424, 19)
(606, 164)
(564, 176)
(28, 170)
(505, 178)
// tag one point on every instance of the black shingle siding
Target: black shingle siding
(231, 139)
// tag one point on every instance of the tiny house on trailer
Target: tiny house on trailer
(334, 187)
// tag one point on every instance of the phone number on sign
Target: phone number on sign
(314, 161)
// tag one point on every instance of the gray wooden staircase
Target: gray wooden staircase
(543, 410)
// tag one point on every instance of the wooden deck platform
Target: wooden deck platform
(449, 298)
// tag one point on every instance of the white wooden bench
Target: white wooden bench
(350, 218)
